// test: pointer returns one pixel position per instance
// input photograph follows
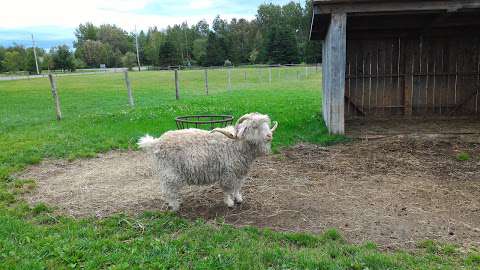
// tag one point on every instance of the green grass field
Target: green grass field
(97, 118)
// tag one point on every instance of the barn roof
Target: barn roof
(406, 9)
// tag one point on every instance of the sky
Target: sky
(53, 21)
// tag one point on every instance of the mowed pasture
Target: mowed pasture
(97, 118)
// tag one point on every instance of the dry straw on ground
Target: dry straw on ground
(394, 190)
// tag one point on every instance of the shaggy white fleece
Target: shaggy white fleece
(199, 157)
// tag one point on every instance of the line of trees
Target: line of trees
(277, 35)
(19, 58)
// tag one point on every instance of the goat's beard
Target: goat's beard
(265, 148)
(260, 148)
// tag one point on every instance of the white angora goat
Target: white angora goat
(199, 157)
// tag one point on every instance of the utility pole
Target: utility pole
(136, 44)
(35, 55)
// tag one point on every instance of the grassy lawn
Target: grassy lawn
(97, 119)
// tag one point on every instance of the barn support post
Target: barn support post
(334, 61)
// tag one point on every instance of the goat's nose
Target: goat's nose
(269, 137)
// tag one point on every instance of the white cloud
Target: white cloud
(68, 14)
(200, 4)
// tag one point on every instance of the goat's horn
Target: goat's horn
(241, 119)
(226, 133)
(275, 125)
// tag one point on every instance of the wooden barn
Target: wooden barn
(398, 59)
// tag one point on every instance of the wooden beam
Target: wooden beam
(393, 6)
(334, 52)
(355, 106)
(438, 19)
(464, 101)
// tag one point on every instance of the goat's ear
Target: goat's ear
(240, 130)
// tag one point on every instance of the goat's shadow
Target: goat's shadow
(201, 208)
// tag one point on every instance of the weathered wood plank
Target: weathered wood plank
(355, 106)
(392, 6)
(334, 49)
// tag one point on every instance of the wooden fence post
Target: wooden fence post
(245, 75)
(177, 86)
(229, 74)
(270, 75)
(129, 89)
(206, 81)
(53, 84)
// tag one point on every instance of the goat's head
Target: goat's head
(253, 128)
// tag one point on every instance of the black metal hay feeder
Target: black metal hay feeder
(203, 121)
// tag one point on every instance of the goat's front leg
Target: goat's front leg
(173, 197)
(228, 198)
(237, 195)
(170, 186)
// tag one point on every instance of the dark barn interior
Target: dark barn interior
(402, 59)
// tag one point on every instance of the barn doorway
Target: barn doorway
(398, 60)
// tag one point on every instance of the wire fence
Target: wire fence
(111, 92)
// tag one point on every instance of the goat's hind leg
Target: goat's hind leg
(228, 198)
(237, 187)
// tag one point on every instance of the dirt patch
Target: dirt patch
(395, 190)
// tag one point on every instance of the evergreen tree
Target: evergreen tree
(281, 47)
(200, 50)
(216, 50)
(168, 54)
(155, 39)
(313, 52)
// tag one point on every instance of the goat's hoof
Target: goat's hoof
(238, 198)
(230, 203)
(173, 207)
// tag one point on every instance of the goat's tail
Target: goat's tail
(147, 142)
